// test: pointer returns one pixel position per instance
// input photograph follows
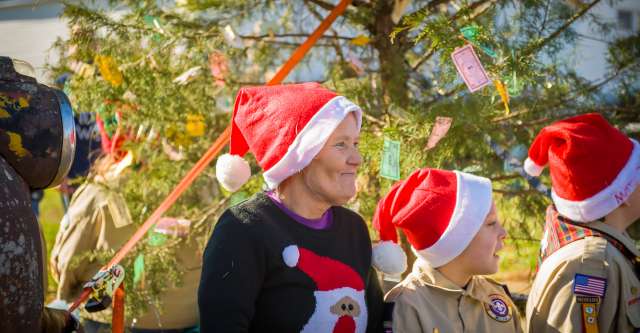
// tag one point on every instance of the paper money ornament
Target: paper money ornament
(218, 67)
(470, 68)
(439, 130)
(390, 165)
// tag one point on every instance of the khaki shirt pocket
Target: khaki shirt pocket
(633, 307)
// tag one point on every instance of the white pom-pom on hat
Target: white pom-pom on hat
(532, 168)
(291, 255)
(389, 258)
(232, 171)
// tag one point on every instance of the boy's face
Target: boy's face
(480, 257)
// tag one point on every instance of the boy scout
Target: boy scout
(588, 278)
(98, 219)
(450, 220)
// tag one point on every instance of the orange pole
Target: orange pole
(215, 148)
(117, 314)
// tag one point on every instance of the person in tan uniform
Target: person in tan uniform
(588, 277)
(450, 220)
(98, 219)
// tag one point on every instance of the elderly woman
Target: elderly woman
(291, 259)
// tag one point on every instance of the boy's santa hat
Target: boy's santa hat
(439, 211)
(594, 167)
(284, 126)
(327, 273)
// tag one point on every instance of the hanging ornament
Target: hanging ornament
(109, 70)
(471, 33)
(514, 86)
(81, 68)
(470, 68)
(505, 155)
(439, 130)
(231, 38)
(172, 153)
(187, 76)
(516, 155)
(195, 125)
(156, 239)
(173, 227)
(360, 40)
(504, 95)
(152, 21)
(129, 96)
(138, 268)
(390, 165)
(399, 8)
(355, 64)
(218, 67)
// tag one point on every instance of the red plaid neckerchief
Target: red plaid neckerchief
(560, 231)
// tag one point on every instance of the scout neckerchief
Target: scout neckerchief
(560, 231)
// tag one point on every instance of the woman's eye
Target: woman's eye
(357, 144)
(341, 145)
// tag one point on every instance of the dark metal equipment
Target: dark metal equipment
(37, 131)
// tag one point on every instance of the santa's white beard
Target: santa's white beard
(323, 321)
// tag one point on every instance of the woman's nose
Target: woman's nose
(355, 158)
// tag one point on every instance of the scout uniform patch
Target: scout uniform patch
(588, 285)
(588, 290)
(498, 308)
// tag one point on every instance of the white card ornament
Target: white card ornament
(470, 68)
(231, 38)
(188, 75)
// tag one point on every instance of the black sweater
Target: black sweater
(246, 286)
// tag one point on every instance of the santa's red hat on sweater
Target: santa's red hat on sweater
(594, 167)
(327, 273)
(439, 211)
(284, 126)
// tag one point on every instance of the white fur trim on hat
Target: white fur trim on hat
(473, 203)
(291, 255)
(389, 258)
(311, 139)
(232, 171)
(532, 168)
(607, 200)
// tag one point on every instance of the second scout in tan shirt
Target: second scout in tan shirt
(426, 301)
(98, 219)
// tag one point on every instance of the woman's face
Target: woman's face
(331, 175)
(480, 257)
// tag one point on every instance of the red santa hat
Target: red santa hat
(327, 273)
(439, 211)
(284, 126)
(594, 167)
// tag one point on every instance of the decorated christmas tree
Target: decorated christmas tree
(168, 73)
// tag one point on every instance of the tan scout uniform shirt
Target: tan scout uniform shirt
(426, 301)
(552, 306)
(98, 219)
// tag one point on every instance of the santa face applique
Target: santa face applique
(340, 304)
